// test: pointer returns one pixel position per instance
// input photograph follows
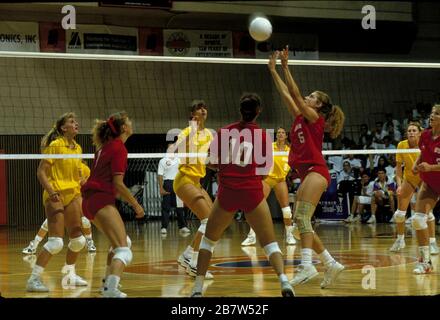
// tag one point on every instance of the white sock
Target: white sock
(326, 258)
(283, 277)
(194, 258)
(88, 236)
(401, 237)
(188, 251)
(432, 240)
(412, 212)
(289, 229)
(425, 253)
(198, 284)
(306, 256)
(251, 233)
(37, 271)
(37, 240)
(112, 282)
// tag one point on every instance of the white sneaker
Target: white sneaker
(116, 293)
(287, 290)
(34, 284)
(192, 272)
(372, 219)
(73, 280)
(249, 241)
(398, 245)
(357, 218)
(423, 267)
(163, 231)
(90, 245)
(304, 274)
(433, 248)
(183, 260)
(30, 249)
(184, 230)
(102, 288)
(349, 219)
(196, 294)
(290, 240)
(331, 274)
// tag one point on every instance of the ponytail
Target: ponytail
(56, 130)
(335, 119)
(103, 131)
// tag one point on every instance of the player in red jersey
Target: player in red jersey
(243, 158)
(99, 194)
(313, 115)
(428, 167)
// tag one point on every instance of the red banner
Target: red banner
(150, 41)
(52, 37)
(244, 45)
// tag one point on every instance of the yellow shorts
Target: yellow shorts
(414, 181)
(181, 179)
(66, 195)
(272, 182)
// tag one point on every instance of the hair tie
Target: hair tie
(111, 125)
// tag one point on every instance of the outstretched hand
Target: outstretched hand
(285, 57)
(273, 60)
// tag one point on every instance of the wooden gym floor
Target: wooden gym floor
(371, 270)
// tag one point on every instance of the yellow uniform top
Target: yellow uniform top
(63, 173)
(195, 141)
(83, 172)
(280, 167)
(408, 160)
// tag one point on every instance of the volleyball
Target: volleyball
(260, 29)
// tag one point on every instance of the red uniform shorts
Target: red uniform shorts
(431, 182)
(234, 200)
(304, 169)
(95, 201)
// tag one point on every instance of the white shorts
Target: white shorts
(364, 200)
(179, 202)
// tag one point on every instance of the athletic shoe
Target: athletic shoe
(433, 248)
(304, 274)
(331, 274)
(74, 280)
(372, 219)
(34, 284)
(30, 249)
(163, 231)
(183, 260)
(287, 290)
(398, 245)
(192, 272)
(423, 267)
(115, 293)
(249, 241)
(184, 230)
(90, 245)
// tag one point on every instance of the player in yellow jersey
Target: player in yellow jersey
(194, 139)
(407, 184)
(276, 180)
(62, 201)
(83, 175)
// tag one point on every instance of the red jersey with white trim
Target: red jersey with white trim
(109, 161)
(306, 138)
(430, 153)
(244, 155)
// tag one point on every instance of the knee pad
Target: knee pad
(207, 244)
(419, 221)
(399, 216)
(44, 226)
(202, 227)
(431, 216)
(76, 244)
(271, 248)
(54, 245)
(128, 244)
(85, 223)
(303, 215)
(287, 213)
(124, 254)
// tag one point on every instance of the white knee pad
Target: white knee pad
(399, 216)
(207, 244)
(44, 226)
(124, 254)
(128, 244)
(202, 227)
(271, 248)
(419, 221)
(287, 213)
(76, 244)
(54, 245)
(85, 223)
(431, 216)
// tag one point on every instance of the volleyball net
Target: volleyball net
(36, 88)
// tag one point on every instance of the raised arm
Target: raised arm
(281, 86)
(308, 112)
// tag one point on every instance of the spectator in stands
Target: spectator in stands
(390, 121)
(383, 193)
(384, 163)
(354, 161)
(394, 135)
(336, 162)
(361, 200)
(363, 135)
(377, 135)
(346, 174)
(409, 118)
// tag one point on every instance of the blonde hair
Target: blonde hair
(105, 130)
(415, 124)
(333, 114)
(56, 130)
